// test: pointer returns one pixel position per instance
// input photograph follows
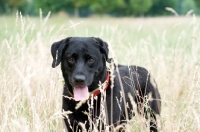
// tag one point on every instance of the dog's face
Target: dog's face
(82, 60)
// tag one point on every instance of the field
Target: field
(30, 90)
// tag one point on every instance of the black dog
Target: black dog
(83, 64)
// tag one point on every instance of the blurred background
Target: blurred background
(146, 33)
(85, 8)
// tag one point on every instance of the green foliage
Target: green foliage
(100, 6)
(27, 8)
(139, 7)
(105, 6)
(183, 6)
(158, 7)
(197, 2)
(9, 6)
(70, 6)
(187, 5)
(2, 7)
(15, 3)
(121, 7)
(77, 5)
(51, 5)
(87, 7)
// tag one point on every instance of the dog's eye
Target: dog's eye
(90, 60)
(71, 60)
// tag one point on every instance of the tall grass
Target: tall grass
(30, 90)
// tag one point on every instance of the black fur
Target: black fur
(83, 63)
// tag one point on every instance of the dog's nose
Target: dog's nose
(79, 79)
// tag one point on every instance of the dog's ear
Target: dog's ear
(57, 50)
(103, 48)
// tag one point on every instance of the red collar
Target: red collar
(97, 91)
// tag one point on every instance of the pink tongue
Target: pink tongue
(81, 93)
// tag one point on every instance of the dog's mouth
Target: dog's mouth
(81, 93)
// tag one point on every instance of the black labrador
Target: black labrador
(83, 64)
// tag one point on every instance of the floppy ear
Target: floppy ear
(103, 48)
(57, 50)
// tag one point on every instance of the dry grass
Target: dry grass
(30, 90)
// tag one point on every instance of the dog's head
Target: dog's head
(82, 59)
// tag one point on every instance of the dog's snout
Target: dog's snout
(79, 79)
